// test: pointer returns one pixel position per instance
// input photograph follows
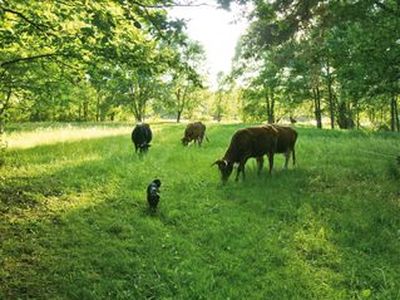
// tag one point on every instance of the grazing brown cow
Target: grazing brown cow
(287, 137)
(194, 132)
(247, 143)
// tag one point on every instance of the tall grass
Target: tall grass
(75, 222)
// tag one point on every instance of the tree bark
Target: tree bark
(394, 115)
(270, 101)
(3, 109)
(136, 104)
(345, 115)
(317, 107)
(178, 105)
(98, 107)
(330, 96)
(181, 103)
(20, 59)
(85, 109)
(178, 116)
(357, 112)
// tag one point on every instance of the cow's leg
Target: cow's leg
(241, 168)
(271, 161)
(287, 157)
(201, 139)
(260, 163)
(237, 173)
(293, 157)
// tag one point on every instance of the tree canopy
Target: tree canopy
(118, 59)
(342, 56)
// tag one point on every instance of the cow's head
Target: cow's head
(144, 147)
(185, 141)
(225, 169)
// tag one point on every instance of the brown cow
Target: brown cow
(287, 137)
(194, 132)
(247, 143)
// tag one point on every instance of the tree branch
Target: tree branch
(22, 59)
(173, 4)
(39, 27)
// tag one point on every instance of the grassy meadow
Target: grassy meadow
(75, 225)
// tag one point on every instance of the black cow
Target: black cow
(141, 137)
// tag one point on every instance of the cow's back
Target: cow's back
(194, 130)
(141, 134)
(251, 142)
(287, 138)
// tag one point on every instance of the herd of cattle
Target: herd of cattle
(251, 142)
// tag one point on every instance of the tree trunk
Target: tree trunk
(136, 104)
(3, 109)
(317, 107)
(85, 109)
(397, 117)
(330, 97)
(357, 111)
(394, 115)
(345, 115)
(80, 112)
(98, 107)
(178, 116)
(219, 115)
(270, 101)
(181, 102)
(138, 117)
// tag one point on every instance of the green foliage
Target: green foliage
(75, 222)
(342, 56)
(83, 61)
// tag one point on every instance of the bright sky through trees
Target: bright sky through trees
(217, 30)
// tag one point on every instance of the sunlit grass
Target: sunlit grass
(75, 222)
(23, 140)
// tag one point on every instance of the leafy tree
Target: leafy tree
(344, 54)
(184, 77)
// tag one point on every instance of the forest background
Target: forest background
(332, 62)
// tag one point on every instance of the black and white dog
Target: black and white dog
(153, 190)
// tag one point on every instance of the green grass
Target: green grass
(74, 221)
